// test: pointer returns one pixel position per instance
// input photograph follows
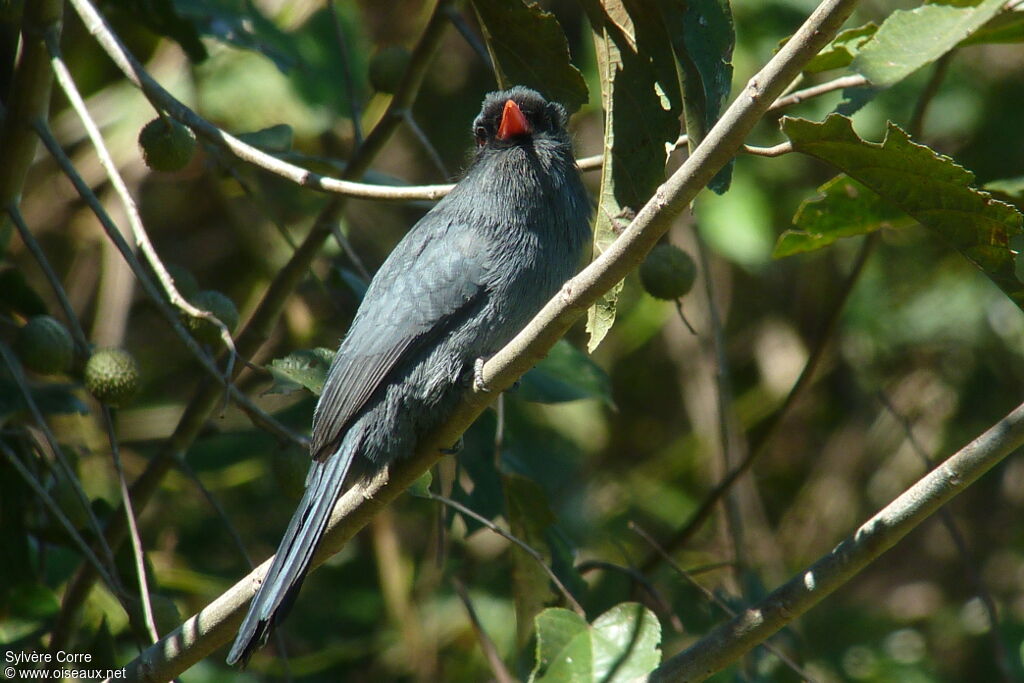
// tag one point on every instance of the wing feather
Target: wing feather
(435, 273)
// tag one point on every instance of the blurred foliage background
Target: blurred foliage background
(926, 354)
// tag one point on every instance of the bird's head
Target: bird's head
(519, 116)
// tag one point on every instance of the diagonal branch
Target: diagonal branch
(737, 636)
(215, 625)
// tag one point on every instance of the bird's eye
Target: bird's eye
(481, 135)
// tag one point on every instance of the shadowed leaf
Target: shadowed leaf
(528, 48)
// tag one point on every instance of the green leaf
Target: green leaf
(842, 50)
(910, 39)
(929, 187)
(702, 36)
(844, 209)
(641, 102)
(621, 645)
(566, 374)
(529, 517)
(305, 368)
(1007, 27)
(163, 18)
(27, 607)
(51, 398)
(421, 487)
(17, 295)
(1009, 190)
(275, 139)
(528, 47)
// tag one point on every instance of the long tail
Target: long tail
(284, 578)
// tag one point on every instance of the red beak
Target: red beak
(512, 122)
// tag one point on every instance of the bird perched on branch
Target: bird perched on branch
(467, 277)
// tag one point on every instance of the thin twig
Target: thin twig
(133, 529)
(728, 433)
(51, 505)
(470, 36)
(640, 580)
(256, 414)
(818, 90)
(51, 276)
(14, 368)
(1002, 657)
(498, 668)
(716, 600)
(164, 101)
(67, 84)
(428, 147)
(760, 441)
(347, 81)
(916, 125)
(527, 548)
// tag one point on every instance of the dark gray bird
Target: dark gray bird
(467, 277)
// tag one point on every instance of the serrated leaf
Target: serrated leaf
(528, 47)
(1007, 27)
(1009, 190)
(910, 39)
(305, 368)
(621, 645)
(843, 48)
(844, 209)
(566, 374)
(641, 102)
(929, 187)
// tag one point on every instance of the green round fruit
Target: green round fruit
(112, 376)
(668, 272)
(221, 306)
(44, 345)
(166, 144)
(387, 68)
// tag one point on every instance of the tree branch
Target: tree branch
(737, 636)
(215, 625)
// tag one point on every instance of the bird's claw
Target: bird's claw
(478, 376)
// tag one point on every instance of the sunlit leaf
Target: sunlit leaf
(305, 368)
(846, 208)
(843, 48)
(621, 645)
(910, 39)
(929, 187)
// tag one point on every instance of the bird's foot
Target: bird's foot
(455, 448)
(478, 375)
